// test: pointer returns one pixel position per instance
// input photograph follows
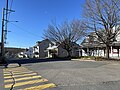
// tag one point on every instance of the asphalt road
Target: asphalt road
(79, 75)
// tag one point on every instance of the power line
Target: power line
(10, 9)
(31, 33)
(11, 5)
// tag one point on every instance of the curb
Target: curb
(13, 65)
(82, 60)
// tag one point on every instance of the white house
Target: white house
(22, 55)
(48, 49)
(39, 50)
(58, 51)
(92, 47)
(28, 53)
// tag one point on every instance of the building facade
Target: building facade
(58, 51)
(91, 46)
(39, 50)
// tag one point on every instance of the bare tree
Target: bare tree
(66, 33)
(103, 16)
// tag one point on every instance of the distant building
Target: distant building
(48, 49)
(11, 52)
(39, 50)
(91, 46)
(58, 51)
(27, 53)
(22, 55)
(52, 51)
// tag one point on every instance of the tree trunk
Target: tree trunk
(107, 52)
(69, 54)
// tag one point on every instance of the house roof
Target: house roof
(38, 43)
(116, 44)
(89, 42)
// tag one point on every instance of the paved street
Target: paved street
(63, 75)
(80, 75)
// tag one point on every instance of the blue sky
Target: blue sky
(33, 17)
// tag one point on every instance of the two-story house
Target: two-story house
(39, 50)
(91, 46)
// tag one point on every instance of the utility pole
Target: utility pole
(4, 31)
(2, 37)
(5, 21)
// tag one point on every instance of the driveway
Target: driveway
(79, 75)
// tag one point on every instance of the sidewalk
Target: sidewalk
(13, 65)
(1, 73)
(1, 78)
(83, 60)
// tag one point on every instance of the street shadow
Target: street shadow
(26, 61)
